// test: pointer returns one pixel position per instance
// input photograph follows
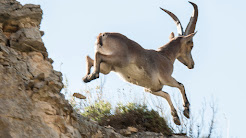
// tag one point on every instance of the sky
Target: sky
(219, 49)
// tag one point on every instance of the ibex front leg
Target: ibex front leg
(99, 66)
(180, 86)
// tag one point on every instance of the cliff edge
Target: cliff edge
(31, 105)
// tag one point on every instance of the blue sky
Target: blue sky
(219, 49)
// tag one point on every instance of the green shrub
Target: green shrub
(132, 114)
(98, 110)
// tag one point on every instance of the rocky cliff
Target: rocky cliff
(31, 105)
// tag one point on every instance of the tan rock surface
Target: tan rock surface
(31, 105)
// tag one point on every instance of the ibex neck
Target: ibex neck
(170, 50)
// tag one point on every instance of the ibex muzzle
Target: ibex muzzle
(186, 57)
(151, 69)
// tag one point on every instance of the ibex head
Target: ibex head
(185, 56)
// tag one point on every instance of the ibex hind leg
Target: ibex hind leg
(89, 64)
(104, 68)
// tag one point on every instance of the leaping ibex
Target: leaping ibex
(151, 69)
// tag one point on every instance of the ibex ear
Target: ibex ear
(171, 36)
(189, 37)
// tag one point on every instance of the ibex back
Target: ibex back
(151, 69)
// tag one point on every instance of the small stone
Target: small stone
(40, 77)
(29, 85)
(80, 96)
(39, 85)
(51, 60)
(109, 127)
(19, 88)
(21, 25)
(125, 132)
(42, 33)
(132, 129)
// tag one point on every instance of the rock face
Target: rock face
(31, 105)
(19, 26)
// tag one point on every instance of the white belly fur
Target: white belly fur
(138, 76)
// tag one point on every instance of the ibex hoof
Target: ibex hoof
(176, 120)
(85, 79)
(90, 77)
(186, 112)
(94, 76)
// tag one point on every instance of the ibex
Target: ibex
(151, 69)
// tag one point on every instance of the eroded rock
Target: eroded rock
(31, 103)
(19, 26)
(27, 40)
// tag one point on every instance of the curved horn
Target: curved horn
(193, 19)
(177, 22)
